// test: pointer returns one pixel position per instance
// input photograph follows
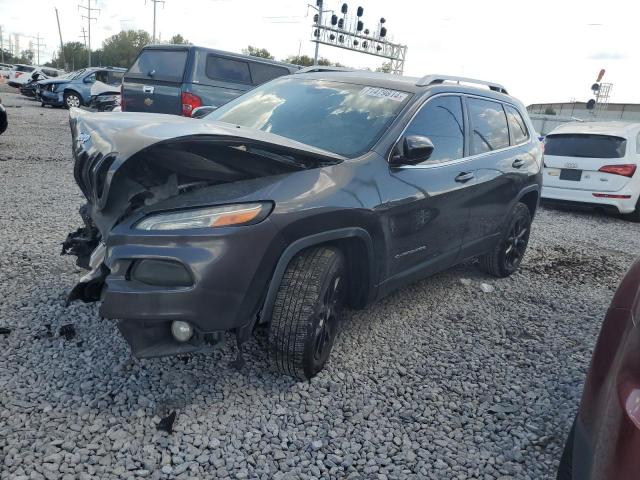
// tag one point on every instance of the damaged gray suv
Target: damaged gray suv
(313, 192)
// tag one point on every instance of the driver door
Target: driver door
(429, 214)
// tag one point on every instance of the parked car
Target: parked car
(4, 123)
(604, 441)
(594, 164)
(75, 90)
(179, 78)
(21, 74)
(29, 89)
(5, 68)
(309, 193)
(104, 97)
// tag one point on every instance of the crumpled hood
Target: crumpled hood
(125, 160)
(130, 132)
(51, 81)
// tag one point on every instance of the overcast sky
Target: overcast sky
(542, 51)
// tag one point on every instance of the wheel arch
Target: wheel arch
(530, 196)
(357, 247)
(69, 90)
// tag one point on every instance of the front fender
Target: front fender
(316, 239)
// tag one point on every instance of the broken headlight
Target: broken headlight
(221, 216)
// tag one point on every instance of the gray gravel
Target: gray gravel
(444, 379)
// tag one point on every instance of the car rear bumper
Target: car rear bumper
(52, 98)
(586, 198)
(229, 273)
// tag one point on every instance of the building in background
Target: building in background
(547, 116)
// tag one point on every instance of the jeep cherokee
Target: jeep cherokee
(315, 191)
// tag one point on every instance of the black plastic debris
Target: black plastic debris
(166, 424)
(67, 331)
(5, 331)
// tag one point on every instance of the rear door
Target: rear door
(580, 161)
(499, 173)
(154, 81)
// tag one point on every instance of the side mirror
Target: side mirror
(203, 111)
(413, 149)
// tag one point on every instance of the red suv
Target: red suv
(604, 442)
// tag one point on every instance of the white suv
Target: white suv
(594, 164)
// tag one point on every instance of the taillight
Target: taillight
(18, 74)
(624, 170)
(189, 103)
(611, 195)
(122, 97)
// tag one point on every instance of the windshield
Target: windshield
(585, 145)
(342, 118)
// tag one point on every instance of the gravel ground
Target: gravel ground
(439, 380)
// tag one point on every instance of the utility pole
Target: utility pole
(84, 36)
(1, 45)
(155, 3)
(39, 46)
(318, 23)
(61, 58)
(88, 17)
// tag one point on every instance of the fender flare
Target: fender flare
(529, 189)
(316, 239)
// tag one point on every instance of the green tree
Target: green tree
(384, 68)
(549, 111)
(121, 49)
(307, 61)
(74, 55)
(178, 39)
(257, 52)
(27, 56)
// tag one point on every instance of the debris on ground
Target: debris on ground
(67, 331)
(166, 423)
(486, 288)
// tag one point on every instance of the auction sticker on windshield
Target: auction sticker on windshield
(394, 95)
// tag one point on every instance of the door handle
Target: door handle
(464, 177)
(517, 163)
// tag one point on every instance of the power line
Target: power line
(88, 17)
(39, 46)
(84, 36)
(155, 3)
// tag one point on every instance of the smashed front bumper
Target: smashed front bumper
(215, 281)
(55, 99)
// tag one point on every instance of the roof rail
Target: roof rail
(321, 68)
(438, 79)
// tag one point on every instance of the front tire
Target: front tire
(72, 99)
(307, 311)
(509, 252)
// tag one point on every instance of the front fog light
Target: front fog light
(181, 331)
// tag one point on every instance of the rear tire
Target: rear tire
(509, 252)
(307, 311)
(565, 469)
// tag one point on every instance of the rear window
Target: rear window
(24, 68)
(165, 65)
(261, 73)
(517, 127)
(227, 70)
(489, 125)
(585, 145)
